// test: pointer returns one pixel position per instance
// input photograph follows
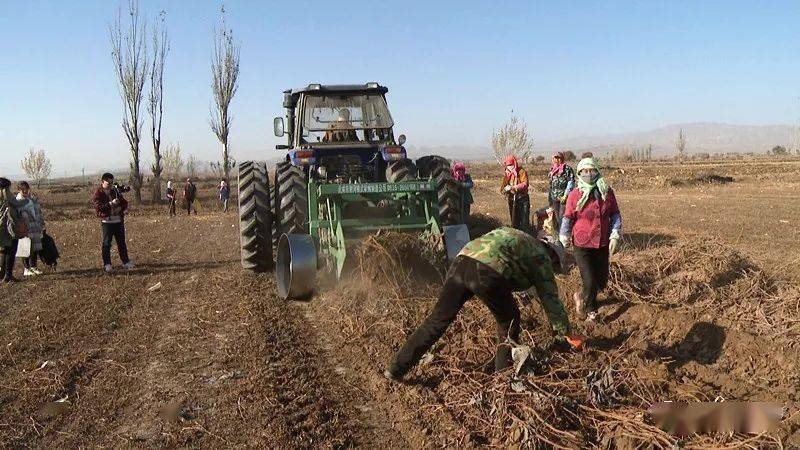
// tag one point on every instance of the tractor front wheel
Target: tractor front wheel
(291, 202)
(401, 170)
(275, 201)
(449, 194)
(255, 218)
(431, 166)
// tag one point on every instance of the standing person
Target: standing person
(171, 198)
(32, 214)
(465, 181)
(562, 180)
(592, 223)
(224, 195)
(189, 195)
(491, 267)
(110, 206)
(10, 229)
(515, 187)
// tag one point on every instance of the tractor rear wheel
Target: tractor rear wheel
(401, 170)
(291, 203)
(255, 217)
(449, 194)
(431, 166)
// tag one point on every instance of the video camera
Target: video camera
(120, 188)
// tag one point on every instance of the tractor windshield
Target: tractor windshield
(346, 118)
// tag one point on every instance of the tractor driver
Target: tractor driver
(341, 130)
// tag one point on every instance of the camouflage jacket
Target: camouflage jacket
(561, 185)
(524, 260)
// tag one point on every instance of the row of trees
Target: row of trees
(140, 63)
(171, 165)
(631, 154)
(780, 150)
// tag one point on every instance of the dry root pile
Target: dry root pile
(706, 275)
(594, 399)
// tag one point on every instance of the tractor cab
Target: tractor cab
(341, 132)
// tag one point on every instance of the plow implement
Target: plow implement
(343, 213)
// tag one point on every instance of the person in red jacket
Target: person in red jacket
(592, 223)
(515, 187)
(110, 206)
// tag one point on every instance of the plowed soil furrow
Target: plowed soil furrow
(212, 358)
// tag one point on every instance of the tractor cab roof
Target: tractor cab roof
(314, 88)
(317, 88)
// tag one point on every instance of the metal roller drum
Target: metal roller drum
(296, 266)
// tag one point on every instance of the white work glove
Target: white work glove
(566, 241)
(507, 188)
(613, 243)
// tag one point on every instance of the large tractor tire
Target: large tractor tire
(449, 196)
(431, 166)
(281, 167)
(401, 170)
(291, 203)
(255, 217)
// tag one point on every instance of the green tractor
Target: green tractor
(344, 175)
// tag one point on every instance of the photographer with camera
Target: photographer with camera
(110, 206)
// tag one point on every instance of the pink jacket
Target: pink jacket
(591, 226)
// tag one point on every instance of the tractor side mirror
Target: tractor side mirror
(401, 139)
(277, 126)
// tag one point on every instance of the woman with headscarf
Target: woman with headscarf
(32, 214)
(562, 180)
(224, 195)
(10, 228)
(171, 198)
(515, 187)
(592, 223)
(465, 181)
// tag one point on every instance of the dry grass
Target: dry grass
(595, 399)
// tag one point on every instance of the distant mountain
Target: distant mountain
(700, 137)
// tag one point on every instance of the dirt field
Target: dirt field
(704, 304)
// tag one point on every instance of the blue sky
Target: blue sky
(454, 69)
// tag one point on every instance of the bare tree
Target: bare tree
(224, 82)
(37, 166)
(172, 161)
(155, 99)
(191, 166)
(680, 145)
(129, 50)
(218, 170)
(512, 139)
